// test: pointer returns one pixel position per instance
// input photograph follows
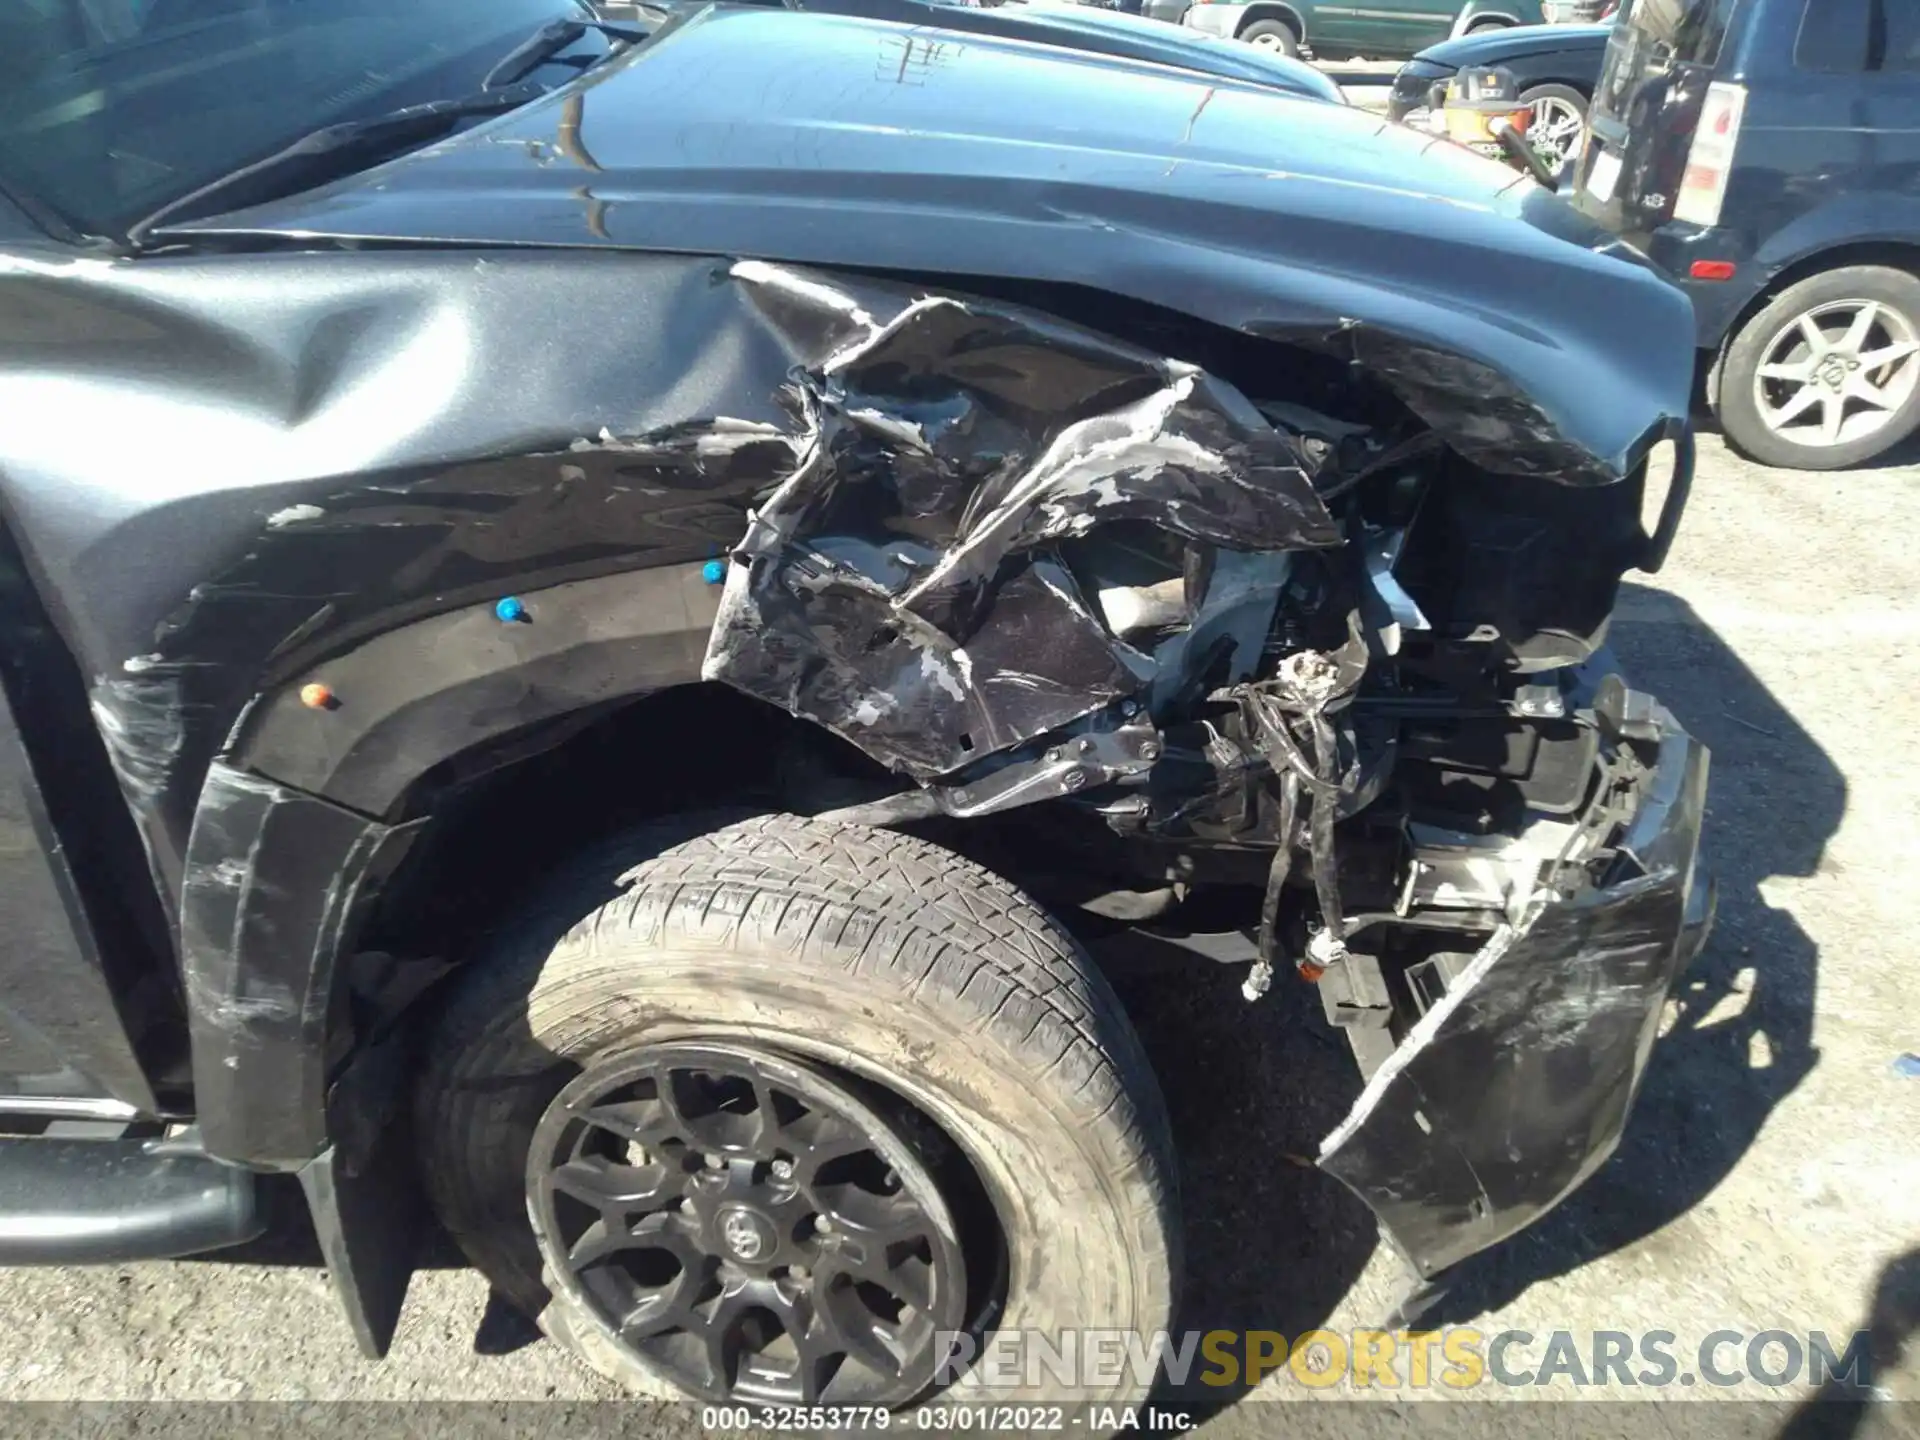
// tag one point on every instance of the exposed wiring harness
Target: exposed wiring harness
(1292, 713)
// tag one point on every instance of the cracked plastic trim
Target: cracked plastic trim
(1516, 1086)
(274, 880)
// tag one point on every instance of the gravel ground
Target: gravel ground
(1769, 1179)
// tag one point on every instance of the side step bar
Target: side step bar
(84, 1202)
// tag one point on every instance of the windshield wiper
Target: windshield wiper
(335, 150)
(332, 151)
(545, 43)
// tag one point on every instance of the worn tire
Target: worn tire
(1273, 34)
(1733, 388)
(875, 952)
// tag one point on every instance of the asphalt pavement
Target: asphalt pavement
(1769, 1180)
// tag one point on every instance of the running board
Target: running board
(86, 1202)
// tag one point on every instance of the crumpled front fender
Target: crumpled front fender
(1516, 1086)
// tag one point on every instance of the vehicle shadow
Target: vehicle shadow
(289, 1240)
(1741, 1037)
(1840, 1407)
(1272, 1243)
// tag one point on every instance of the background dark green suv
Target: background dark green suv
(1378, 29)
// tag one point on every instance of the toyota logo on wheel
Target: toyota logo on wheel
(747, 1235)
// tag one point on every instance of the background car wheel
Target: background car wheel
(1559, 125)
(1481, 27)
(785, 1100)
(1827, 375)
(1272, 35)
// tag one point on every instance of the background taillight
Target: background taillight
(1703, 186)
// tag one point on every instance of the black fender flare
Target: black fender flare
(408, 700)
(300, 821)
(308, 810)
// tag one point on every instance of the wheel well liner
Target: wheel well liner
(407, 703)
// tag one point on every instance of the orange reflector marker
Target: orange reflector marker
(316, 697)
(1711, 270)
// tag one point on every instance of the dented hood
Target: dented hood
(1521, 332)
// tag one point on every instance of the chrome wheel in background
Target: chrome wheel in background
(1838, 373)
(1559, 126)
(1826, 373)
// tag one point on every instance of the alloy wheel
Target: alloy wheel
(1838, 373)
(748, 1226)
(1558, 129)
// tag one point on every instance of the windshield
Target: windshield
(1651, 40)
(1691, 30)
(110, 109)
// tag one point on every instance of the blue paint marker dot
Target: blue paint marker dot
(714, 571)
(510, 610)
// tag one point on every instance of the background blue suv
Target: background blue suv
(1767, 154)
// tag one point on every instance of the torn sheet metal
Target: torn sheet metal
(1516, 1086)
(900, 586)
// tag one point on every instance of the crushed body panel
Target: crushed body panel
(953, 439)
(1071, 429)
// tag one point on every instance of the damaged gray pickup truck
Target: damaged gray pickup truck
(549, 576)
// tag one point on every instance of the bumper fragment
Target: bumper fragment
(1516, 1086)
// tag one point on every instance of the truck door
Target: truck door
(1383, 29)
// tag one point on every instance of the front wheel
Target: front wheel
(776, 1115)
(1559, 125)
(1272, 35)
(1827, 375)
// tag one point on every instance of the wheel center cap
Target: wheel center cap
(747, 1234)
